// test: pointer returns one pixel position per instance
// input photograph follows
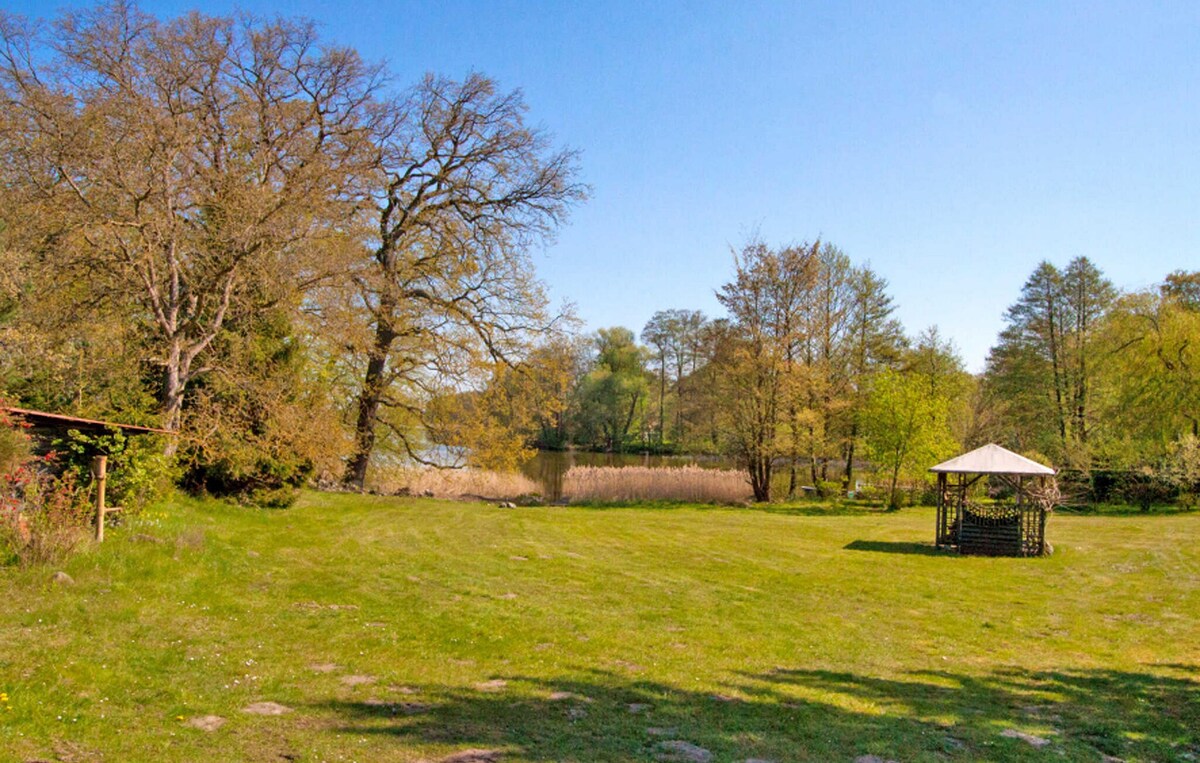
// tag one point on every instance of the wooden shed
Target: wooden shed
(45, 427)
(1014, 525)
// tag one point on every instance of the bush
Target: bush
(43, 516)
(139, 473)
(869, 493)
(830, 489)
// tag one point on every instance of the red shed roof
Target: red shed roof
(59, 421)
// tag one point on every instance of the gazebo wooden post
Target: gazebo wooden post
(941, 511)
(1042, 518)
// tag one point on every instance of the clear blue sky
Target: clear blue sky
(951, 145)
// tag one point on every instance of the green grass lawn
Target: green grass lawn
(407, 630)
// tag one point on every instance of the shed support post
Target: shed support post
(100, 472)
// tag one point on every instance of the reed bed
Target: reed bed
(456, 483)
(639, 483)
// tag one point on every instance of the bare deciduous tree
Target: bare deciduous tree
(463, 187)
(189, 170)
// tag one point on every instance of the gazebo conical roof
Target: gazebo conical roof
(991, 459)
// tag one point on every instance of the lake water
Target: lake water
(548, 466)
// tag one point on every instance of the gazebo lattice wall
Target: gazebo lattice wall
(1001, 529)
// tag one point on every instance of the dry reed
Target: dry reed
(456, 483)
(640, 483)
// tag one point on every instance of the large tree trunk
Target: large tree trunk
(760, 479)
(370, 398)
(849, 478)
(174, 383)
(1058, 382)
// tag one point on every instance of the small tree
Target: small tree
(905, 426)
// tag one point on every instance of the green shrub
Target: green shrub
(830, 489)
(139, 473)
(869, 493)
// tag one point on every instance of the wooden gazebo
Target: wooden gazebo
(1015, 526)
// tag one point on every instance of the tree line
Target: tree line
(811, 373)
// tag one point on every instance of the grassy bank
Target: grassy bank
(406, 630)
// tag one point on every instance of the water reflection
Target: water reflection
(548, 466)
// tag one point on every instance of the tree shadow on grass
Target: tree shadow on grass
(803, 715)
(897, 547)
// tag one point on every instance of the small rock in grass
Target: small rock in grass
(207, 722)
(655, 731)
(559, 696)
(407, 708)
(954, 745)
(1032, 739)
(62, 578)
(575, 713)
(638, 707)
(496, 684)
(357, 680)
(679, 751)
(323, 667)
(507, 505)
(473, 756)
(266, 708)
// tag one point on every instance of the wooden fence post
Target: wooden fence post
(100, 472)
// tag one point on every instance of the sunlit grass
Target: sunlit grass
(406, 630)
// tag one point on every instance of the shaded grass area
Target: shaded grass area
(406, 630)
